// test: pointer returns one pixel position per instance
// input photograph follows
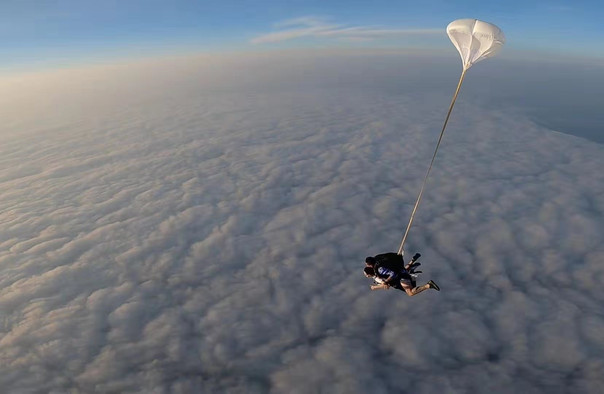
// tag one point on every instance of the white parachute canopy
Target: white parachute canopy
(475, 40)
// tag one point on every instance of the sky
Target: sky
(40, 33)
(188, 193)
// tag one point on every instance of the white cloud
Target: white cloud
(204, 229)
(319, 28)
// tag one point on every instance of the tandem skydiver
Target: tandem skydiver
(389, 270)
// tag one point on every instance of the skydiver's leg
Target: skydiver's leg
(411, 291)
(413, 261)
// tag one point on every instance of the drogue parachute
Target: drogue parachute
(475, 40)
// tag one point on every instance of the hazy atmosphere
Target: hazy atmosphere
(188, 192)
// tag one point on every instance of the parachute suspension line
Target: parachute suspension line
(442, 132)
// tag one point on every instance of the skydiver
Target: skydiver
(388, 270)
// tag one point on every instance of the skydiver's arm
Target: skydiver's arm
(380, 286)
(390, 279)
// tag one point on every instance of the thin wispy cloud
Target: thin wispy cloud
(320, 28)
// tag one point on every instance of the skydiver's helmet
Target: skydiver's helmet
(369, 272)
(370, 261)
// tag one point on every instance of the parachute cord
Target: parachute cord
(442, 132)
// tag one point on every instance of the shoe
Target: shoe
(415, 257)
(433, 285)
(412, 268)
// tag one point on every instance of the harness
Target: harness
(392, 263)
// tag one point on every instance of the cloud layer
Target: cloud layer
(201, 226)
(319, 28)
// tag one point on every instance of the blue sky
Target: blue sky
(44, 32)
